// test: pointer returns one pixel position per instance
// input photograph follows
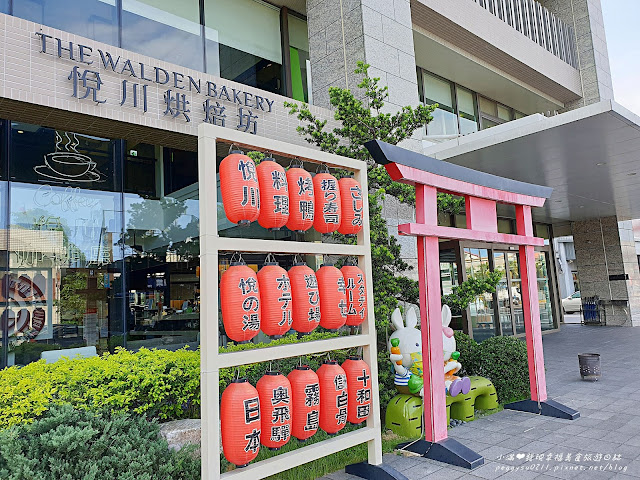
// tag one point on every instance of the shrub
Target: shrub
(503, 360)
(68, 444)
(153, 383)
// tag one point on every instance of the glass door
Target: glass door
(544, 292)
(505, 313)
(515, 287)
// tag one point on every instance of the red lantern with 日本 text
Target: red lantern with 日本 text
(239, 188)
(240, 302)
(275, 300)
(333, 299)
(352, 206)
(327, 203)
(274, 391)
(305, 296)
(274, 195)
(358, 388)
(305, 402)
(356, 291)
(240, 422)
(333, 397)
(301, 200)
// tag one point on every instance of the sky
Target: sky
(621, 23)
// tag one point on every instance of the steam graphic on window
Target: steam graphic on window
(67, 164)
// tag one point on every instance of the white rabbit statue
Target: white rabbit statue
(405, 345)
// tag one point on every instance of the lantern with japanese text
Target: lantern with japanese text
(352, 206)
(39, 319)
(240, 302)
(275, 300)
(305, 402)
(333, 397)
(274, 195)
(274, 391)
(305, 298)
(240, 422)
(301, 199)
(327, 203)
(239, 188)
(358, 389)
(356, 291)
(333, 299)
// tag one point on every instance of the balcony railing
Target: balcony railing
(536, 22)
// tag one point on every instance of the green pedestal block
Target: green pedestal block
(482, 396)
(404, 412)
(404, 415)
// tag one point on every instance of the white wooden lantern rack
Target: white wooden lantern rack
(212, 361)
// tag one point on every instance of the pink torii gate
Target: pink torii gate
(481, 191)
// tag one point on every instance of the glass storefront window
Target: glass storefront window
(161, 248)
(544, 293)
(63, 287)
(466, 111)
(504, 113)
(94, 19)
(299, 52)
(481, 310)
(437, 90)
(164, 29)
(245, 48)
(502, 293)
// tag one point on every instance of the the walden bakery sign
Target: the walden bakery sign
(86, 83)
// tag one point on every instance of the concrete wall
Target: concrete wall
(586, 18)
(606, 247)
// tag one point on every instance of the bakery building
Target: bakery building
(100, 102)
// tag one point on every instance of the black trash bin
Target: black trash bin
(589, 366)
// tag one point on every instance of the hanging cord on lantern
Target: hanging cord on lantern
(296, 163)
(322, 168)
(232, 149)
(270, 258)
(237, 257)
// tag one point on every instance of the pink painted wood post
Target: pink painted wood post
(434, 405)
(530, 306)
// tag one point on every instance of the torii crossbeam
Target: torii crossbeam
(481, 192)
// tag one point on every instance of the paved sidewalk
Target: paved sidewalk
(609, 424)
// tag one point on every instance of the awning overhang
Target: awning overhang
(589, 156)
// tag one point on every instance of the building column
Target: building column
(378, 32)
(608, 267)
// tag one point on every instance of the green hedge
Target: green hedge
(68, 444)
(503, 360)
(154, 383)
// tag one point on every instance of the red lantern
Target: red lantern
(240, 422)
(328, 206)
(38, 320)
(239, 188)
(301, 201)
(240, 302)
(23, 287)
(356, 290)
(275, 300)
(352, 206)
(333, 397)
(305, 402)
(274, 195)
(358, 389)
(333, 299)
(274, 391)
(305, 298)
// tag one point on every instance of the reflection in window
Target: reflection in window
(544, 293)
(437, 90)
(94, 19)
(161, 244)
(481, 310)
(245, 48)
(466, 111)
(4, 6)
(164, 29)
(299, 52)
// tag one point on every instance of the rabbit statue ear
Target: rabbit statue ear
(396, 319)
(412, 319)
(446, 315)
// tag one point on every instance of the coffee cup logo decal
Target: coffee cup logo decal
(67, 164)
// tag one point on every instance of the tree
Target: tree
(361, 121)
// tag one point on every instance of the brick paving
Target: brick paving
(609, 423)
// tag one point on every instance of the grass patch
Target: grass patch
(322, 466)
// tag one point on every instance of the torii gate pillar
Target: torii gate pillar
(481, 192)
